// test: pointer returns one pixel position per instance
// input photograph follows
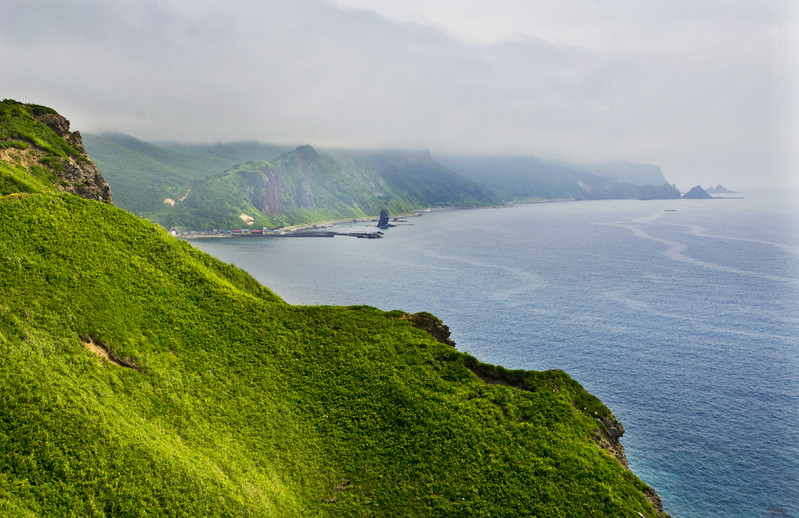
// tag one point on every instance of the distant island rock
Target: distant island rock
(697, 193)
(719, 189)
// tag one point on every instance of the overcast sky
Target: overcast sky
(702, 88)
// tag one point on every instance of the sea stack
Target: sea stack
(383, 222)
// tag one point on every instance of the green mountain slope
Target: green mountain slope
(143, 175)
(306, 185)
(141, 377)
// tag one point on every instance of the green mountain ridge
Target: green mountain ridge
(210, 186)
(308, 185)
(141, 377)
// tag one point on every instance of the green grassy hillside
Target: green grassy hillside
(143, 175)
(141, 377)
(235, 403)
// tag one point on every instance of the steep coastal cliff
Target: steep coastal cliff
(140, 376)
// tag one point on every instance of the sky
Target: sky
(703, 88)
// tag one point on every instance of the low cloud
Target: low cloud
(312, 71)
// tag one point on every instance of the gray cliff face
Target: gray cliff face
(271, 193)
(77, 176)
(265, 190)
(608, 435)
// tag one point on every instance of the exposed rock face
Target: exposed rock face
(56, 123)
(428, 322)
(265, 191)
(654, 499)
(305, 195)
(78, 176)
(608, 435)
(268, 189)
(85, 180)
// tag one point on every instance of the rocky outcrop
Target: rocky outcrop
(426, 322)
(55, 122)
(85, 180)
(265, 190)
(76, 175)
(383, 222)
(608, 435)
(697, 193)
(651, 495)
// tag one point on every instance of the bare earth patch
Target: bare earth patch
(101, 350)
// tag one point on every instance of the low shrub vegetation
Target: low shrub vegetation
(241, 404)
(141, 377)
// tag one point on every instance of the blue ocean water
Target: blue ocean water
(681, 315)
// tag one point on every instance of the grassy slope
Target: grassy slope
(244, 405)
(142, 175)
(229, 402)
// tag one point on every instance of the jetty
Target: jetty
(216, 234)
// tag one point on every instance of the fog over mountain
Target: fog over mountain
(699, 88)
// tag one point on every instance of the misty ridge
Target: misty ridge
(595, 83)
(223, 185)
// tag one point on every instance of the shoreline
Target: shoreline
(320, 226)
(317, 229)
(332, 223)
